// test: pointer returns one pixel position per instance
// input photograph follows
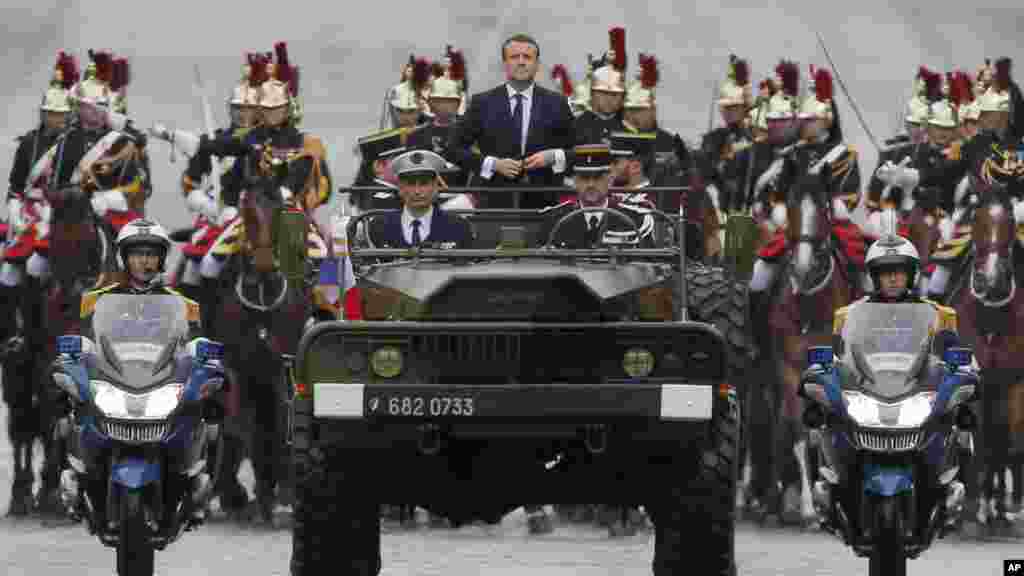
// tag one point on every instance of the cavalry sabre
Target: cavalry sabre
(853, 103)
(208, 124)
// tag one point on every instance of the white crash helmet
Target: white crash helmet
(893, 250)
(141, 232)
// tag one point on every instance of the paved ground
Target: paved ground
(29, 548)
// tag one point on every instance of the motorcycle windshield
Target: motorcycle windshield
(138, 337)
(888, 345)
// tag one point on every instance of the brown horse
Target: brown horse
(815, 284)
(991, 318)
(261, 317)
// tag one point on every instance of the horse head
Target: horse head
(992, 280)
(808, 228)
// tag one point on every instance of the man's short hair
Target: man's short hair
(525, 39)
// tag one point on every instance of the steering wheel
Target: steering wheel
(621, 216)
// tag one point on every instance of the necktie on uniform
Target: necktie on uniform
(592, 230)
(416, 239)
(517, 120)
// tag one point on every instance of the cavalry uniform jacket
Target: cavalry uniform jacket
(27, 209)
(308, 175)
(722, 160)
(985, 157)
(113, 160)
(591, 128)
(231, 185)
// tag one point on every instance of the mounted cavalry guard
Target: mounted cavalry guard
(578, 93)
(213, 214)
(279, 138)
(916, 118)
(990, 157)
(673, 161)
(607, 94)
(28, 212)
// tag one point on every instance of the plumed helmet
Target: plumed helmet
(917, 110)
(641, 92)
(65, 75)
(247, 92)
(608, 79)
(997, 97)
(142, 232)
(782, 105)
(818, 103)
(409, 94)
(893, 250)
(56, 100)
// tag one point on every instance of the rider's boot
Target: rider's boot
(9, 299)
(208, 299)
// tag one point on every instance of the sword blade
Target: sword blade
(846, 92)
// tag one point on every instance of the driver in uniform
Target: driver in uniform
(142, 247)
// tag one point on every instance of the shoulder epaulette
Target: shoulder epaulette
(89, 300)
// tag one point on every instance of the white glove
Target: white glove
(186, 142)
(1018, 211)
(117, 122)
(227, 215)
(200, 202)
(105, 200)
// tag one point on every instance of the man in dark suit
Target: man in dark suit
(590, 230)
(419, 222)
(523, 131)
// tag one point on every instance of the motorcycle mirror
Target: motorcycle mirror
(290, 242)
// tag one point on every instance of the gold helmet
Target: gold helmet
(282, 86)
(254, 74)
(95, 86)
(641, 92)
(782, 105)
(918, 109)
(448, 80)
(408, 95)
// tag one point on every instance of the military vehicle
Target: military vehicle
(478, 380)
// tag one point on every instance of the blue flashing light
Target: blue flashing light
(819, 355)
(958, 356)
(69, 344)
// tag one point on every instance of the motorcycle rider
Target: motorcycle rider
(142, 248)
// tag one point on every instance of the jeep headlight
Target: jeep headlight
(638, 363)
(386, 362)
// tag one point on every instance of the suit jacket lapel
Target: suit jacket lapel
(502, 102)
(536, 110)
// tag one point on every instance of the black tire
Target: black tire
(696, 527)
(135, 555)
(888, 558)
(712, 297)
(335, 528)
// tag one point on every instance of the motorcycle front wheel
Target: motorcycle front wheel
(888, 557)
(134, 549)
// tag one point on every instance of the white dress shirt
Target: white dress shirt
(487, 168)
(407, 218)
(588, 216)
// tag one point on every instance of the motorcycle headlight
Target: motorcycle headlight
(116, 403)
(909, 413)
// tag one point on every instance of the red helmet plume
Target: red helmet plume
(649, 73)
(257, 69)
(932, 84)
(68, 67)
(104, 62)
(740, 70)
(789, 74)
(560, 74)
(457, 71)
(282, 67)
(420, 74)
(120, 74)
(822, 85)
(960, 92)
(1001, 78)
(617, 42)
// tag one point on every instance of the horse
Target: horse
(260, 318)
(815, 282)
(990, 310)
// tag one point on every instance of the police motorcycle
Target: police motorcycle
(136, 437)
(889, 402)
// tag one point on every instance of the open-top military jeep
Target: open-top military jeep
(479, 380)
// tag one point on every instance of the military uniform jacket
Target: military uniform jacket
(837, 162)
(307, 170)
(89, 300)
(129, 172)
(575, 233)
(231, 180)
(984, 157)
(592, 129)
(442, 140)
(31, 146)
(722, 162)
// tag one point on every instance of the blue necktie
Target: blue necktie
(416, 233)
(517, 120)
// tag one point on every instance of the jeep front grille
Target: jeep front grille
(498, 348)
(134, 432)
(878, 441)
